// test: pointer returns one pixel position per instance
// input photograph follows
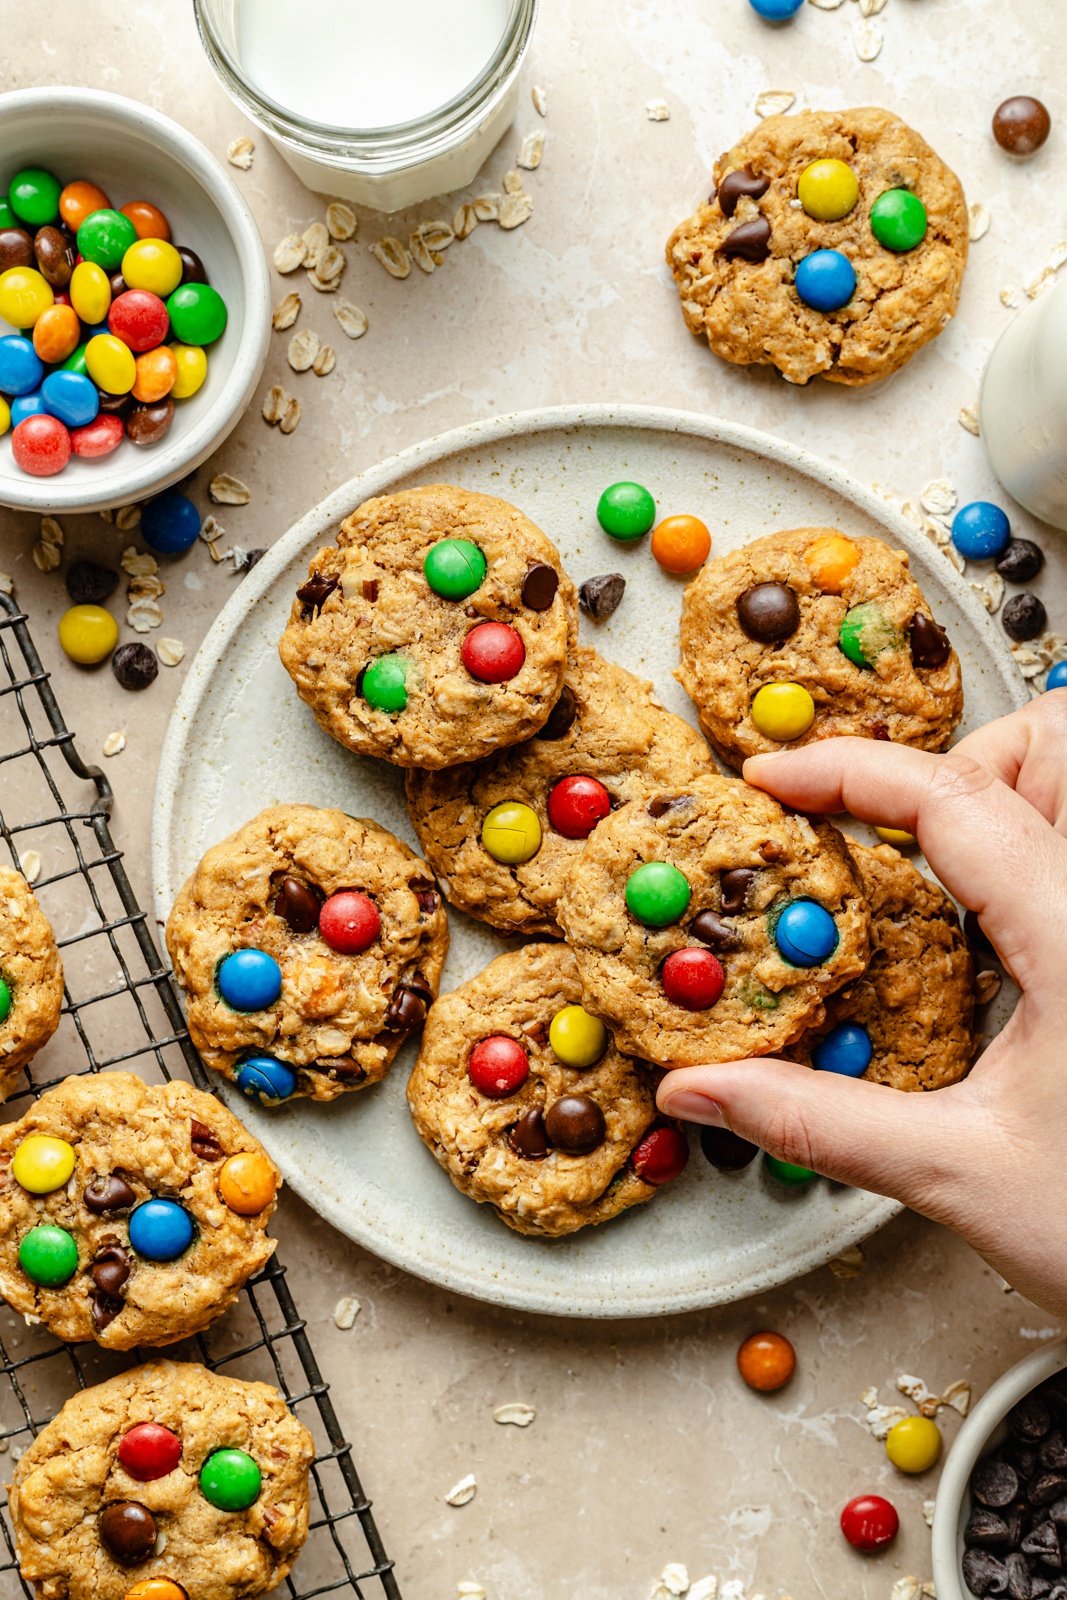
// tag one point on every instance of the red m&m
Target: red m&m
(493, 652)
(692, 979)
(661, 1155)
(576, 805)
(349, 922)
(498, 1066)
(869, 1523)
(41, 445)
(149, 1450)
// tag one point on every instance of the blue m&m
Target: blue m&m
(1057, 677)
(26, 405)
(265, 1080)
(845, 1049)
(160, 1230)
(21, 368)
(825, 280)
(805, 933)
(72, 397)
(980, 531)
(249, 980)
(776, 10)
(170, 524)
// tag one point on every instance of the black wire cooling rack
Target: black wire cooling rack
(121, 1010)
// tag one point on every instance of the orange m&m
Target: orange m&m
(681, 544)
(766, 1361)
(156, 1589)
(248, 1182)
(148, 221)
(830, 560)
(79, 200)
(56, 333)
(157, 372)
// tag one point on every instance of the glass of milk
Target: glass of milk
(384, 102)
(1023, 407)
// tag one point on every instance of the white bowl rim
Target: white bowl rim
(148, 474)
(969, 1446)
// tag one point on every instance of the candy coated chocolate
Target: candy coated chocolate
(766, 1361)
(805, 933)
(135, 665)
(661, 1155)
(725, 1150)
(160, 1230)
(147, 424)
(657, 894)
(768, 612)
(230, 1480)
(692, 979)
(128, 1531)
(493, 652)
(148, 1451)
(249, 980)
(576, 804)
(265, 1080)
(869, 1522)
(575, 1124)
(1021, 125)
(498, 1066)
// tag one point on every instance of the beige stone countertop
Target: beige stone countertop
(646, 1448)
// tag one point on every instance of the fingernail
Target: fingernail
(693, 1107)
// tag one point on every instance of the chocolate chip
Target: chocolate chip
(561, 716)
(575, 1123)
(1046, 1487)
(539, 587)
(1053, 1452)
(1058, 1512)
(1024, 617)
(714, 931)
(726, 1150)
(600, 596)
(1043, 1542)
(110, 1269)
(528, 1137)
(771, 851)
(342, 1067)
(929, 643)
(407, 1011)
(741, 181)
(89, 584)
(370, 589)
(1018, 1585)
(994, 1483)
(660, 804)
(315, 593)
(734, 885)
(128, 1531)
(298, 904)
(203, 1143)
(751, 241)
(135, 666)
(1021, 562)
(985, 1528)
(983, 1573)
(768, 612)
(1031, 1419)
(105, 1195)
(103, 1309)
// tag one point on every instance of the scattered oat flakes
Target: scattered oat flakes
(316, 237)
(987, 986)
(774, 102)
(826, 5)
(968, 419)
(345, 1312)
(144, 615)
(517, 1412)
(705, 1588)
(7, 583)
(127, 518)
(115, 742)
(392, 255)
(539, 100)
(138, 563)
(470, 1589)
(911, 1589)
(289, 253)
(675, 1578)
(107, 515)
(46, 557)
(655, 111)
(438, 233)
(149, 587)
(211, 529)
(868, 38)
(30, 865)
(871, 8)
(289, 422)
(881, 1418)
(226, 490)
(328, 271)
(274, 405)
(465, 221)
(170, 651)
(353, 321)
(303, 348)
(324, 362)
(850, 1263)
(979, 220)
(990, 591)
(953, 555)
(286, 312)
(939, 498)
(915, 1389)
(424, 258)
(486, 207)
(341, 220)
(239, 152)
(531, 151)
(928, 1513)
(516, 209)
(463, 1492)
(52, 532)
(513, 181)
(1028, 660)
(1009, 298)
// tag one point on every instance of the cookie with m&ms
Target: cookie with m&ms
(503, 834)
(167, 1482)
(525, 1099)
(908, 1020)
(31, 978)
(130, 1213)
(832, 245)
(709, 924)
(810, 633)
(309, 945)
(435, 629)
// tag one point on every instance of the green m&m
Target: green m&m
(788, 1172)
(865, 632)
(33, 195)
(105, 236)
(385, 683)
(454, 568)
(48, 1256)
(657, 894)
(5, 999)
(197, 312)
(230, 1480)
(626, 511)
(898, 220)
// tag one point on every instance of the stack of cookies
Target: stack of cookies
(671, 914)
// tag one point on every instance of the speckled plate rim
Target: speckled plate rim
(398, 1250)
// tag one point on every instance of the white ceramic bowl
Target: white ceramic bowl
(134, 153)
(983, 1429)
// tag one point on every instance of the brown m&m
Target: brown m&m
(1021, 125)
(768, 612)
(128, 1531)
(575, 1124)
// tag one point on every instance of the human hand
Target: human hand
(987, 1156)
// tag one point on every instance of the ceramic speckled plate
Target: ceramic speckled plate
(240, 740)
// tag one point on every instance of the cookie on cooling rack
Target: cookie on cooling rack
(31, 978)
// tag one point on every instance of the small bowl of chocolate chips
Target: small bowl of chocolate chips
(1000, 1519)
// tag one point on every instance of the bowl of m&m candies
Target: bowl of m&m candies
(134, 301)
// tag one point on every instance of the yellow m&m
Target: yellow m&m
(783, 711)
(191, 363)
(90, 292)
(828, 190)
(5, 415)
(247, 1182)
(88, 634)
(152, 264)
(897, 837)
(578, 1039)
(24, 294)
(42, 1163)
(913, 1444)
(830, 559)
(511, 833)
(110, 363)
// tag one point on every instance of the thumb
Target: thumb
(848, 1129)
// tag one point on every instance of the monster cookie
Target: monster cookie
(709, 924)
(503, 835)
(906, 1021)
(807, 634)
(168, 1482)
(435, 630)
(833, 246)
(309, 944)
(130, 1214)
(31, 978)
(528, 1105)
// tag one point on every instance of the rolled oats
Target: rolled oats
(968, 419)
(138, 563)
(316, 239)
(513, 181)
(465, 221)
(391, 253)
(341, 220)
(939, 498)
(486, 207)
(274, 405)
(289, 421)
(303, 348)
(345, 1312)
(286, 312)
(46, 557)
(657, 111)
(30, 865)
(226, 490)
(170, 652)
(353, 321)
(211, 529)
(539, 100)
(463, 1492)
(289, 253)
(144, 615)
(978, 221)
(774, 102)
(516, 209)
(114, 743)
(52, 532)
(127, 518)
(867, 38)
(424, 258)
(987, 985)
(515, 1412)
(531, 151)
(324, 362)
(7, 583)
(239, 152)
